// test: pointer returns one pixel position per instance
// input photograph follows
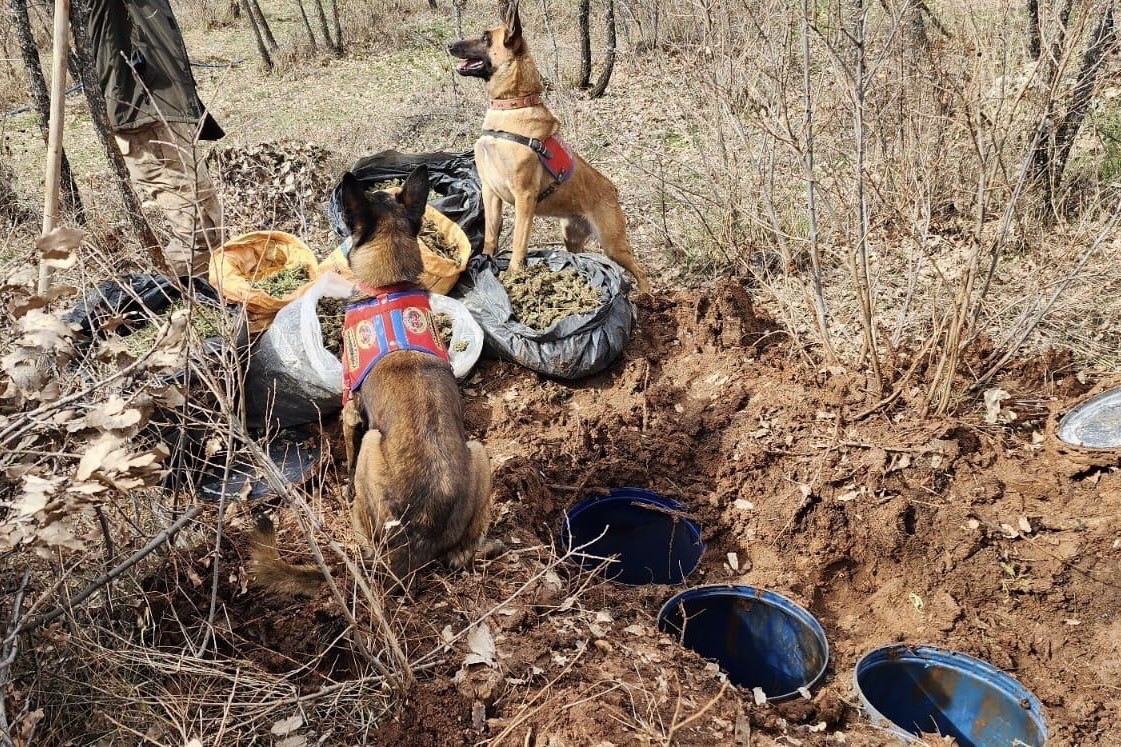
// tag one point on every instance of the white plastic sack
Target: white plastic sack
(292, 378)
(464, 329)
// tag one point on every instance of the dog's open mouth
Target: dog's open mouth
(471, 65)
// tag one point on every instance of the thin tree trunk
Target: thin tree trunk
(266, 58)
(339, 25)
(1100, 46)
(1035, 39)
(859, 257)
(266, 30)
(307, 26)
(811, 193)
(323, 26)
(583, 21)
(95, 99)
(609, 63)
(37, 85)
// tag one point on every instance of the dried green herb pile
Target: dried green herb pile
(282, 283)
(541, 297)
(332, 314)
(206, 321)
(434, 240)
(444, 325)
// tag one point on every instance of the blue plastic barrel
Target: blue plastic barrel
(912, 690)
(649, 538)
(759, 638)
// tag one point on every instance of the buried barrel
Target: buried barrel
(635, 535)
(759, 638)
(911, 691)
(1095, 423)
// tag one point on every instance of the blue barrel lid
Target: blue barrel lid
(959, 695)
(753, 639)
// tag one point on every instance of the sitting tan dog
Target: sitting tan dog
(417, 483)
(523, 163)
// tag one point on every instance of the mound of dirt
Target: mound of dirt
(892, 528)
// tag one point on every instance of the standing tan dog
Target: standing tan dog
(521, 162)
(417, 483)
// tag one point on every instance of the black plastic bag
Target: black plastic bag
(452, 175)
(574, 347)
(133, 298)
(133, 301)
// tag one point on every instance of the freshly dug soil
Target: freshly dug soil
(332, 313)
(541, 297)
(434, 240)
(282, 283)
(953, 532)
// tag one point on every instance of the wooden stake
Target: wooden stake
(59, 55)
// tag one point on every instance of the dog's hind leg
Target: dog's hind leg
(492, 217)
(479, 500)
(611, 230)
(576, 232)
(369, 512)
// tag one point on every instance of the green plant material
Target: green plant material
(280, 284)
(332, 314)
(540, 297)
(206, 322)
(435, 241)
(444, 326)
(381, 186)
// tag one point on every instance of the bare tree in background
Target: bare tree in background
(307, 26)
(609, 62)
(339, 25)
(1035, 31)
(323, 28)
(263, 23)
(266, 58)
(583, 19)
(1058, 134)
(71, 199)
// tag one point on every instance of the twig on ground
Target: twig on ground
(109, 576)
(676, 725)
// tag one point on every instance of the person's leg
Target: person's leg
(166, 167)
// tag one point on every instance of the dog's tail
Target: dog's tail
(272, 573)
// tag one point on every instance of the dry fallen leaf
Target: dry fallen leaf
(480, 641)
(287, 725)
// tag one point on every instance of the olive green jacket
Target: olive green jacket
(143, 67)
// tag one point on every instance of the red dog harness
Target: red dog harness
(387, 322)
(553, 153)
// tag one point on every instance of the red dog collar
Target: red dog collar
(522, 102)
(389, 322)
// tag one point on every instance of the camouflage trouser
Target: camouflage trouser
(167, 168)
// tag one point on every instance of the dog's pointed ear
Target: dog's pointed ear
(414, 194)
(355, 206)
(513, 23)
